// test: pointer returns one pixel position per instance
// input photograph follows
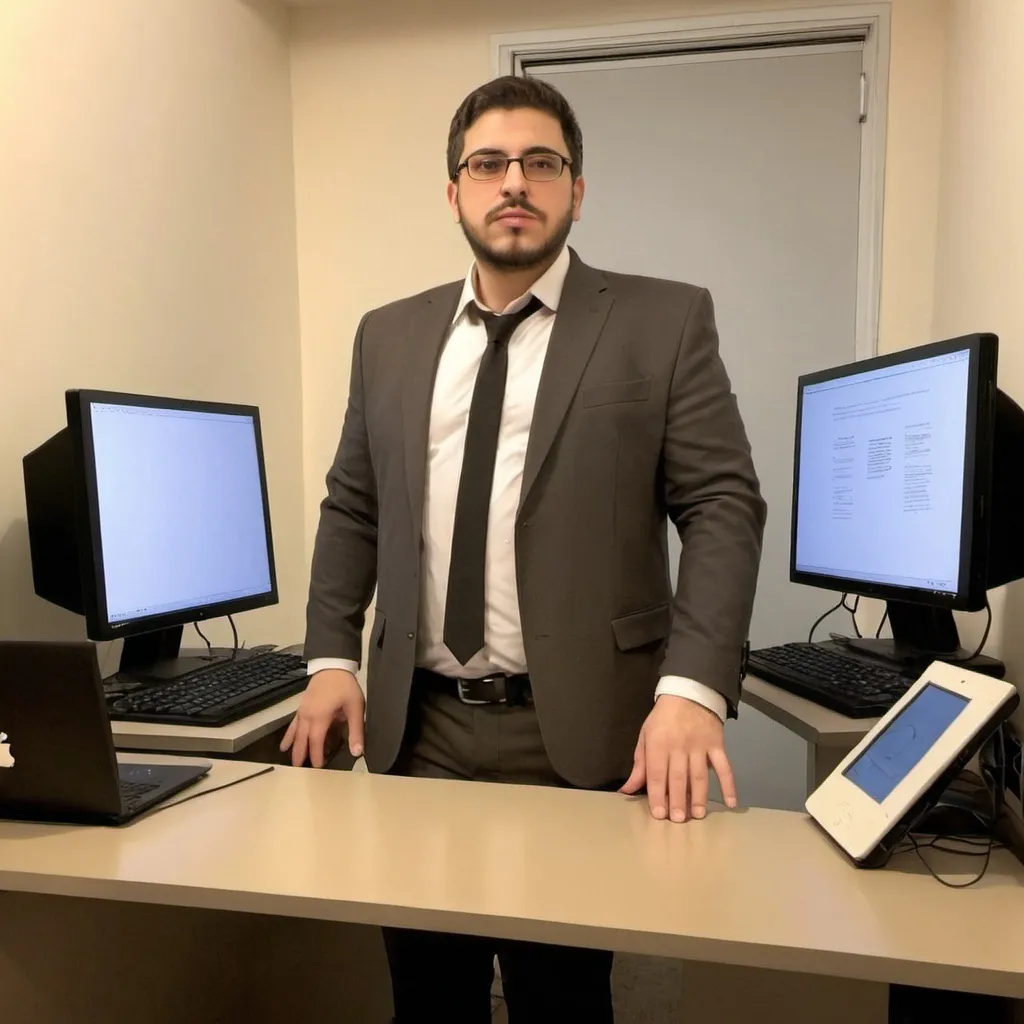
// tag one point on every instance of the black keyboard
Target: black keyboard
(216, 695)
(825, 674)
(133, 792)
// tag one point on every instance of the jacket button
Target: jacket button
(410, 635)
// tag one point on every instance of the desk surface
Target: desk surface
(753, 887)
(811, 721)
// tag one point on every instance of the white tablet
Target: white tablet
(902, 766)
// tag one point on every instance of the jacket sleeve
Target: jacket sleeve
(344, 570)
(713, 498)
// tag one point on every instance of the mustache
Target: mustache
(514, 204)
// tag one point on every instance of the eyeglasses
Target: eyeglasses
(494, 166)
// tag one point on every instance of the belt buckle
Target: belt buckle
(463, 685)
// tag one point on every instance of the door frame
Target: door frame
(515, 53)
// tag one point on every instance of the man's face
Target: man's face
(512, 222)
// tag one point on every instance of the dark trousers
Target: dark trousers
(438, 977)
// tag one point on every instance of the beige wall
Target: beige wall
(979, 266)
(147, 242)
(384, 78)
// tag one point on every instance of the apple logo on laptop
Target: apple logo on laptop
(6, 760)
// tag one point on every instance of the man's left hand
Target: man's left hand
(677, 743)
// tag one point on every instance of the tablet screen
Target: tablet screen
(904, 741)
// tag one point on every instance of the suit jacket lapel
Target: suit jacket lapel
(428, 329)
(582, 311)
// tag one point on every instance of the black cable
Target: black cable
(881, 623)
(853, 613)
(984, 637)
(209, 646)
(207, 792)
(234, 633)
(823, 617)
(989, 843)
(987, 854)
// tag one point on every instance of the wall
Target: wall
(374, 87)
(147, 242)
(980, 244)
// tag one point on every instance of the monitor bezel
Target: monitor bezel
(976, 512)
(98, 625)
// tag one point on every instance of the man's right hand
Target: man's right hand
(333, 698)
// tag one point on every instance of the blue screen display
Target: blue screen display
(904, 741)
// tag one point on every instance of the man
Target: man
(512, 448)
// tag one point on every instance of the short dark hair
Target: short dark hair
(513, 93)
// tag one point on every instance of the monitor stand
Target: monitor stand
(922, 634)
(156, 656)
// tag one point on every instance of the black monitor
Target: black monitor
(145, 514)
(906, 487)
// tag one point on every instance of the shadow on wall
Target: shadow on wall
(1013, 644)
(23, 615)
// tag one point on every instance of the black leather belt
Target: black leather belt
(513, 691)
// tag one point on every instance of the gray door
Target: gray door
(739, 172)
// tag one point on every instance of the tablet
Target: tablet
(898, 772)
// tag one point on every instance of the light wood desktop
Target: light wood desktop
(753, 888)
(830, 736)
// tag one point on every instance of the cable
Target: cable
(989, 843)
(987, 854)
(234, 633)
(982, 642)
(209, 646)
(881, 623)
(207, 792)
(824, 616)
(853, 613)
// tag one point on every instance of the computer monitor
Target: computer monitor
(145, 514)
(907, 488)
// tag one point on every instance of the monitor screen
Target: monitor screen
(880, 488)
(904, 741)
(180, 505)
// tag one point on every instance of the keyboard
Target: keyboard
(825, 674)
(216, 695)
(133, 792)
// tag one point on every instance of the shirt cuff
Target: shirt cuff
(679, 686)
(320, 664)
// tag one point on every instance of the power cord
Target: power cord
(982, 642)
(234, 634)
(881, 623)
(840, 604)
(210, 656)
(207, 792)
(996, 787)
(209, 646)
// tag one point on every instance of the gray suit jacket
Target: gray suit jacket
(634, 423)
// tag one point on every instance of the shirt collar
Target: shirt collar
(548, 287)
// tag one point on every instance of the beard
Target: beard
(519, 257)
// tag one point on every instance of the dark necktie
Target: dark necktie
(464, 607)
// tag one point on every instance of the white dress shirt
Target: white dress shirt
(503, 649)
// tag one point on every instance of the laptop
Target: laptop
(57, 760)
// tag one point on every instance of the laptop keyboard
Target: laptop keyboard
(133, 792)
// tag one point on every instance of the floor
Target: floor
(646, 990)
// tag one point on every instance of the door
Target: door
(739, 172)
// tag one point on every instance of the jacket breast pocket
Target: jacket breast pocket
(638, 629)
(616, 392)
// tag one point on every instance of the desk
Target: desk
(254, 738)
(758, 889)
(830, 736)
(195, 739)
